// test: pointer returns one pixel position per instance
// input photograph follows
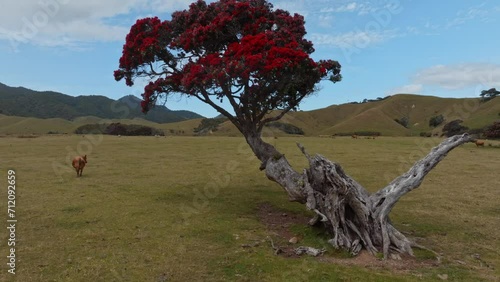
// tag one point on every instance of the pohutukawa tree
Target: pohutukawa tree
(256, 58)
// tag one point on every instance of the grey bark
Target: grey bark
(355, 218)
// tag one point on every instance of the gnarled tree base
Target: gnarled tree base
(355, 218)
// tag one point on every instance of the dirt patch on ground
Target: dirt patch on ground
(279, 222)
(366, 260)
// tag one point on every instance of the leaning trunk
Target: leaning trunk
(270, 157)
(355, 218)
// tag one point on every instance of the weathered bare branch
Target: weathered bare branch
(415, 175)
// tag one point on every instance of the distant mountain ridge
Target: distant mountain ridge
(24, 102)
(134, 103)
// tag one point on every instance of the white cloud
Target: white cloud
(472, 13)
(406, 89)
(460, 76)
(69, 22)
(352, 7)
(300, 7)
(325, 21)
(354, 39)
(437, 26)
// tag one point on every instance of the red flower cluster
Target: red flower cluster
(260, 55)
(141, 47)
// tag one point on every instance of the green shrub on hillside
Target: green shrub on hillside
(404, 121)
(435, 121)
(454, 127)
(209, 124)
(489, 94)
(286, 127)
(96, 128)
(118, 129)
(476, 131)
(493, 131)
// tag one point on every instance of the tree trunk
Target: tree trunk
(355, 218)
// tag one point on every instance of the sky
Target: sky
(446, 48)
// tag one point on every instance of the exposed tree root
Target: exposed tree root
(309, 251)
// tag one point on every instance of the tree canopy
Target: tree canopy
(489, 94)
(245, 52)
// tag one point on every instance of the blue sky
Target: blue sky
(447, 48)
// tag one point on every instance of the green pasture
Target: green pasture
(180, 209)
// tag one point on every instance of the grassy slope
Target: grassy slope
(25, 125)
(184, 126)
(369, 120)
(379, 116)
(486, 112)
(183, 206)
(374, 116)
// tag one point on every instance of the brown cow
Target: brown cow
(79, 163)
(479, 143)
(354, 136)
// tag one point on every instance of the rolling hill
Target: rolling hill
(379, 116)
(23, 102)
(374, 116)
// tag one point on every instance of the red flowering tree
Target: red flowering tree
(257, 59)
(240, 51)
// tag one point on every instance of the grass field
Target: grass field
(180, 209)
